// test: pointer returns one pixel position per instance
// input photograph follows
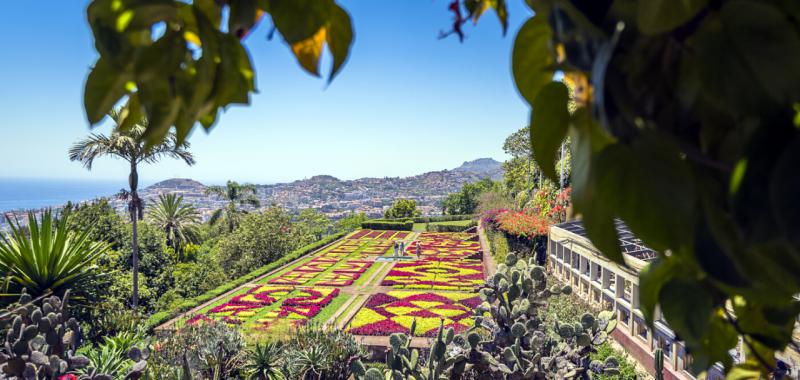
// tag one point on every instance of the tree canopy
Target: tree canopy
(402, 208)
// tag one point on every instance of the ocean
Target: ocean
(26, 193)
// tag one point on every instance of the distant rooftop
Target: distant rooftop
(629, 244)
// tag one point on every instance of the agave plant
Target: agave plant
(264, 362)
(48, 256)
(111, 357)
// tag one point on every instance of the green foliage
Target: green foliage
(111, 356)
(705, 173)
(236, 195)
(100, 218)
(452, 226)
(205, 350)
(262, 237)
(177, 219)
(465, 201)
(404, 225)
(314, 222)
(263, 362)
(198, 65)
(402, 208)
(350, 222)
(499, 244)
(48, 256)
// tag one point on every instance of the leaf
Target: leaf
(105, 85)
(659, 16)
(531, 58)
(763, 35)
(160, 60)
(652, 279)
(339, 38)
(299, 20)
(477, 8)
(235, 76)
(744, 371)
(784, 188)
(687, 306)
(549, 125)
(161, 106)
(131, 113)
(243, 15)
(309, 51)
(651, 189)
(588, 139)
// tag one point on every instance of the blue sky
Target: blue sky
(405, 103)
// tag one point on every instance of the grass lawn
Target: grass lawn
(419, 227)
(328, 311)
(349, 308)
(463, 223)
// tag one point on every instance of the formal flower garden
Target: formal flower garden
(438, 283)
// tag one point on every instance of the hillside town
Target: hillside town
(327, 194)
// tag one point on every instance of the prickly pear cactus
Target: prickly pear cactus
(521, 345)
(40, 342)
(659, 364)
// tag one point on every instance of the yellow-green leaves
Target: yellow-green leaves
(476, 9)
(532, 59)
(196, 66)
(549, 124)
(307, 25)
(659, 16)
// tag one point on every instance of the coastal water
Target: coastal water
(26, 193)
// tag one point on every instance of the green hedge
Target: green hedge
(160, 317)
(452, 226)
(404, 225)
(429, 219)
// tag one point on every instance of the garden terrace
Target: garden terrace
(343, 285)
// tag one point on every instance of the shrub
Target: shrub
(451, 226)
(498, 244)
(404, 225)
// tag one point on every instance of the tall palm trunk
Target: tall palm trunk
(134, 208)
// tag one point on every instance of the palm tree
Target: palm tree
(177, 218)
(129, 145)
(48, 256)
(236, 195)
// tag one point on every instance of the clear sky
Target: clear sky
(405, 103)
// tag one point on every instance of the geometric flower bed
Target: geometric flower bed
(300, 308)
(436, 275)
(319, 264)
(338, 279)
(246, 305)
(352, 266)
(293, 278)
(394, 312)
(248, 308)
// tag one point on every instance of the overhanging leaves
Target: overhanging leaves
(531, 59)
(105, 85)
(549, 124)
(659, 16)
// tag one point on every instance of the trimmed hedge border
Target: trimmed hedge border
(428, 219)
(437, 227)
(161, 317)
(404, 225)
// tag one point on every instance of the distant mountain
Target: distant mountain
(177, 184)
(488, 166)
(337, 197)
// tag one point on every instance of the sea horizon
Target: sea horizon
(18, 194)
